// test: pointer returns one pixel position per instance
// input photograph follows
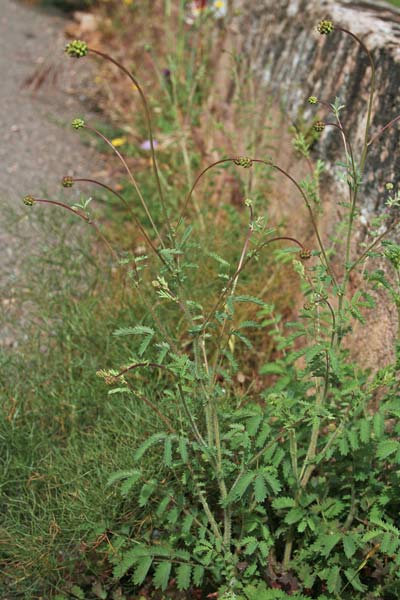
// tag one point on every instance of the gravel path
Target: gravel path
(37, 144)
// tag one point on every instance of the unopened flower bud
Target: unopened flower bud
(389, 186)
(319, 126)
(305, 254)
(325, 27)
(67, 181)
(313, 100)
(78, 123)
(76, 49)
(29, 200)
(243, 161)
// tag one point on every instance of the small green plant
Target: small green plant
(289, 491)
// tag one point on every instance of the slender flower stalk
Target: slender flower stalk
(347, 144)
(315, 100)
(189, 195)
(381, 131)
(153, 365)
(30, 200)
(249, 233)
(231, 280)
(127, 205)
(374, 243)
(246, 162)
(310, 212)
(130, 174)
(149, 125)
(371, 93)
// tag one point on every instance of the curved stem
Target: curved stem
(346, 144)
(149, 124)
(154, 408)
(134, 366)
(328, 304)
(189, 195)
(120, 197)
(286, 174)
(307, 203)
(250, 231)
(379, 133)
(82, 215)
(378, 239)
(238, 271)
(308, 464)
(371, 93)
(135, 185)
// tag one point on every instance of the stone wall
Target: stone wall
(279, 39)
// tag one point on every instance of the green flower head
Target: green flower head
(76, 49)
(389, 186)
(313, 100)
(243, 161)
(67, 181)
(78, 123)
(325, 27)
(305, 254)
(29, 200)
(319, 126)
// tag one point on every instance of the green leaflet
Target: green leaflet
(151, 441)
(183, 574)
(240, 487)
(161, 575)
(138, 330)
(141, 569)
(260, 488)
(283, 502)
(129, 483)
(198, 574)
(386, 448)
(119, 475)
(379, 424)
(168, 452)
(129, 559)
(146, 491)
(333, 580)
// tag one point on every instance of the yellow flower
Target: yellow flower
(219, 4)
(128, 2)
(119, 141)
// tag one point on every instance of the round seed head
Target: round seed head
(243, 161)
(76, 49)
(319, 126)
(78, 123)
(325, 27)
(305, 253)
(67, 181)
(29, 200)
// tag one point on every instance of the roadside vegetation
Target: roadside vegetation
(184, 418)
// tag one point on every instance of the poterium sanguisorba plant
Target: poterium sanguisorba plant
(256, 494)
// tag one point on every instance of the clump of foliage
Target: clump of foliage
(290, 491)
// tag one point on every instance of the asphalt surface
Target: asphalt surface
(41, 91)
